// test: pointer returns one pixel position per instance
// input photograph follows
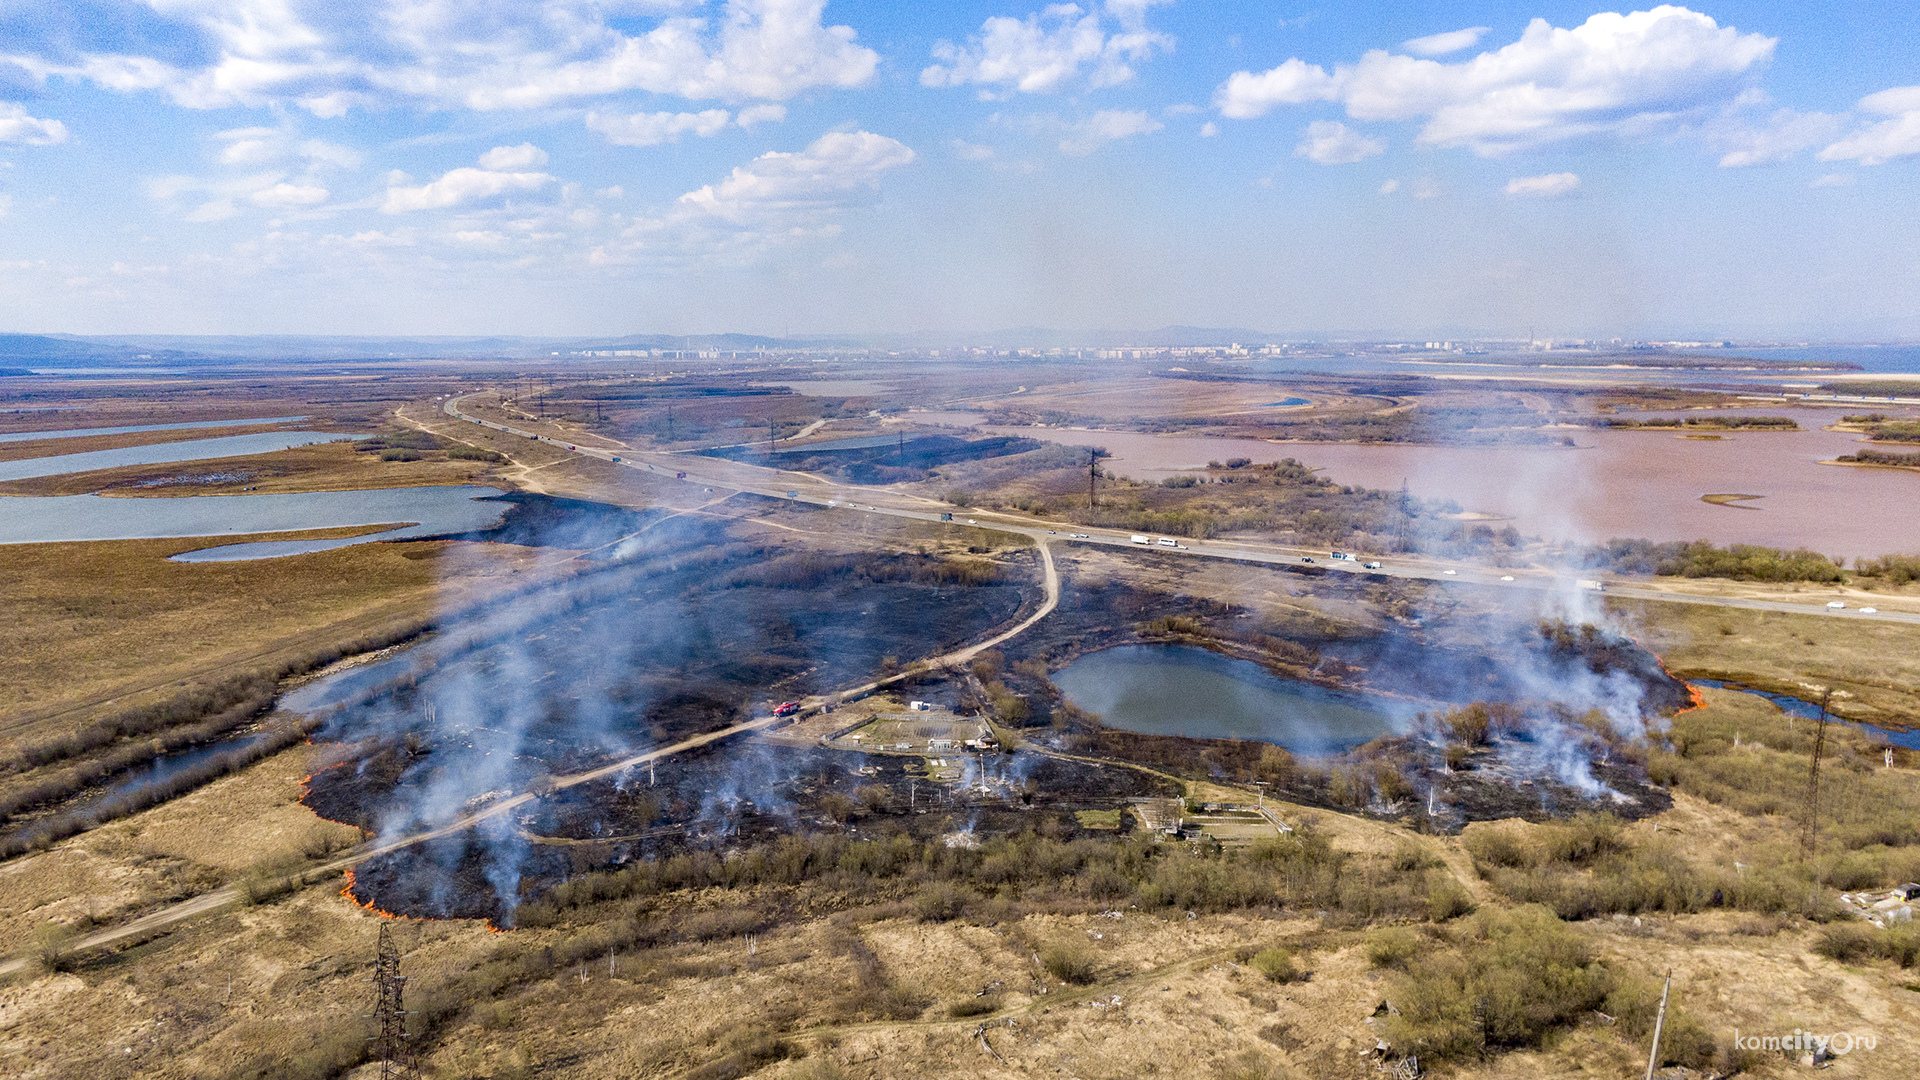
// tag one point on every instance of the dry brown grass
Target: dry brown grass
(115, 620)
(1876, 663)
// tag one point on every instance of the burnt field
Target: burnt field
(738, 796)
(1512, 714)
(879, 460)
(693, 634)
(1524, 719)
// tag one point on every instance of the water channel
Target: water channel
(1180, 690)
(415, 511)
(191, 425)
(166, 453)
(1807, 710)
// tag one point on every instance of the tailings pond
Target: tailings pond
(419, 511)
(1179, 690)
(1634, 483)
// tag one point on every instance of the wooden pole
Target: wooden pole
(1659, 1026)
(1810, 829)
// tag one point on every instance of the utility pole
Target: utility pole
(1401, 542)
(1659, 1026)
(669, 423)
(1810, 829)
(389, 1016)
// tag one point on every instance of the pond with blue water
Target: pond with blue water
(1180, 690)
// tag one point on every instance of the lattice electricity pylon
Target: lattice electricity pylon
(389, 1017)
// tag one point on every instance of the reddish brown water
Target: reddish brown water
(1615, 483)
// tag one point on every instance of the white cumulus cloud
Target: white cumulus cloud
(760, 114)
(826, 176)
(1450, 42)
(1543, 187)
(1614, 73)
(1330, 142)
(509, 158)
(329, 58)
(18, 127)
(1781, 135)
(1105, 126)
(1389, 187)
(495, 177)
(1897, 136)
(283, 195)
(1046, 50)
(652, 129)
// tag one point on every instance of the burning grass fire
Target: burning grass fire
(1531, 719)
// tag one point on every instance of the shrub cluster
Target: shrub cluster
(1896, 569)
(1700, 558)
(398, 441)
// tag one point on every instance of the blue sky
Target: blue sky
(784, 166)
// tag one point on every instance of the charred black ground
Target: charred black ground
(703, 630)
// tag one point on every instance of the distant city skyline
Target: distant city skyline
(790, 168)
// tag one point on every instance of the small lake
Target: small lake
(164, 453)
(1180, 690)
(420, 511)
(76, 433)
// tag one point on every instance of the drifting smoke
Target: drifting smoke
(676, 631)
(1566, 650)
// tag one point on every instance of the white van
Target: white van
(1165, 542)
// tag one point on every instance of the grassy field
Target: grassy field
(320, 467)
(1876, 665)
(101, 626)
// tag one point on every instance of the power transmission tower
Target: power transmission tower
(389, 1017)
(1810, 829)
